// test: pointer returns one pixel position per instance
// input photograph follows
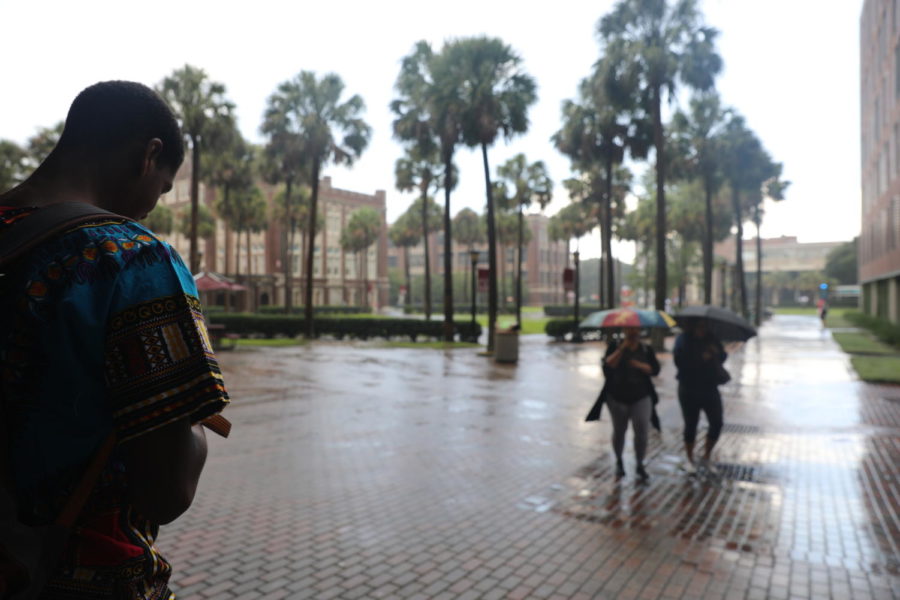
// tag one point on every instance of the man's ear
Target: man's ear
(150, 158)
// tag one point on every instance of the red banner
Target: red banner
(484, 274)
(568, 279)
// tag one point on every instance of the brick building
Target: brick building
(542, 265)
(879, 241)
(258, 265)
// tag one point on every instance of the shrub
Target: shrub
(317, 310)
(885, 330)
(568, 310)
(559, 328)
(362, 328)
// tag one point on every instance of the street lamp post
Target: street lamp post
(576, 335)
(473, 256)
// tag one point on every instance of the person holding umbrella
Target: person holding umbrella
(698, 357)
(629, 394)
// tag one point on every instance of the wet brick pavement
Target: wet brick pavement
(362, 472)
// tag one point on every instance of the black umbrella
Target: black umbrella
(726, 325)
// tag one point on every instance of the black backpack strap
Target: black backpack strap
(45, 223)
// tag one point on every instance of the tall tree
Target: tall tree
(649, 47)
(309, 115)
(427, 115)
(529, 183)
(698, 146)
(361, 231)
(404, 234)
(421, 170)
(200, 106)
(230, 170)
(13, 165)
(597, 131)
(747, 168)
(244, 211)
(495, 92)
(841, 263)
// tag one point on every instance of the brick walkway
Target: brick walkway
(360, 472)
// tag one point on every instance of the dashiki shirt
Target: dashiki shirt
(101, 330)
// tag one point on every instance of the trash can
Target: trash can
(506, 346)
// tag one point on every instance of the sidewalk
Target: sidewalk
(359, 472)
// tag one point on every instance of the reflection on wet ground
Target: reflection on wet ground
(356, 471)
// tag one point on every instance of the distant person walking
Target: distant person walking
(699, 357)
(629, 393)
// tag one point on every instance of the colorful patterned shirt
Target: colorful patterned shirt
(101, 331)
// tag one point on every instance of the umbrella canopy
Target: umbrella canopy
(627, 317)
(726, 325)
(214, 282)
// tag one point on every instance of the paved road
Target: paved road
(362, 472)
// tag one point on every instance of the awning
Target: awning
(214, 282)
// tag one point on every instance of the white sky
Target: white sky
(791, 67)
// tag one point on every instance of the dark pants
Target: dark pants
(693, 400)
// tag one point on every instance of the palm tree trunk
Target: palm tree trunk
(448, 251)
(739, 252)
(427, 254)
(249, 265)
(288, 295)
(195, 202)
(659, 142)
(313, 205)
(492, 252)
(607, 238)
(758, 304)
(408, 296)
(519, 268)
(237, 252)
(708, 245)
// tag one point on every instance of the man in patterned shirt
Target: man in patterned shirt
(101, 331)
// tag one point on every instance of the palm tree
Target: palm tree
(252, 218)
(596, 133)
(495, 93)
(428, 118)
(530, 183)
(747, 168)
(650, 46)
(772, 188)
(420, 170)
(200, 106)
(284, 163)
(309, 112)
(697, 138)
(230, 169)
(361, 231)
(468, 230)
(404, 234)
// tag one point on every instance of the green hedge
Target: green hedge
(458, 307)
(559, 328)
(885, 330)
(568, 310)
(246, 324)
(317, 310)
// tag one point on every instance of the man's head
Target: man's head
(127, 138)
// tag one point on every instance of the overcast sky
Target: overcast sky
(791, 67)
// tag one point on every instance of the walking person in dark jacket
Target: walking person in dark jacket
(627, 367)
(698, 358)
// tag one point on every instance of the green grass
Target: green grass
(269, 342)
(861, 343)
(835, 318)
(877, 369)
(795, 310)
(430, 345)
